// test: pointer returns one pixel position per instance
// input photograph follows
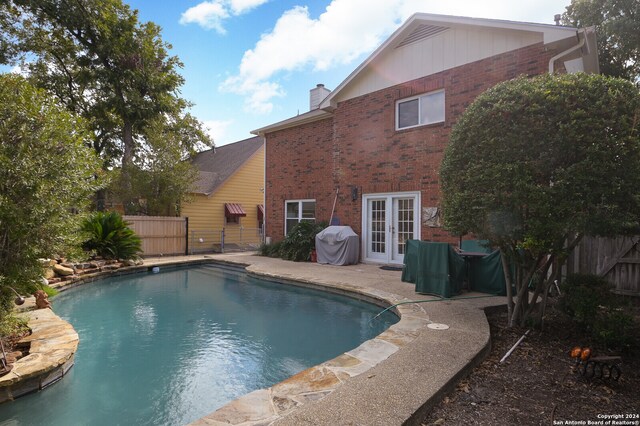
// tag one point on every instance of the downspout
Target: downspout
(566, 52)
(264, 190)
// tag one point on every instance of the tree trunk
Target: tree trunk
(128, 144)
(509, 282)
(127, 163)
(522, 299)
(100, 199)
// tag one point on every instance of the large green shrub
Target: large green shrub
(298, 244)
(614, 329)
(270, 250)
(111, 237)
(47, 176)
(582, 294)
(589, 301)
(533, 164)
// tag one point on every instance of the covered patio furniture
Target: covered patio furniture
(338, 245)
(435, 268)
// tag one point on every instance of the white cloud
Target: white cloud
(217, 130)
(207, 14)
(211, 14)
(19, 70)
(239, 7)
(338, 36)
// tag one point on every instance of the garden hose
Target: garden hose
(432, 300)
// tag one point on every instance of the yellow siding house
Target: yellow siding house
(226, 207)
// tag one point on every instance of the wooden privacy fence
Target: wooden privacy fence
(615, 259)
(161, 235)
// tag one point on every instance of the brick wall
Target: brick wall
(359, 147)
(298, 166)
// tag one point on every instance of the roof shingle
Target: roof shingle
(218, 164)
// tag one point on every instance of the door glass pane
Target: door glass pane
(404, 223)
(378, 225)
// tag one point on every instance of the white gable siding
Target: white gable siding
(448, 49)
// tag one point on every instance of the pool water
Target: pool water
(169, 348)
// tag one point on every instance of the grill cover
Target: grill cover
(338, 245)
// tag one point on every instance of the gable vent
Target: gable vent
(420, 33)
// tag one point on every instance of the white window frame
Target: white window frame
(419, 97)
(300, 218)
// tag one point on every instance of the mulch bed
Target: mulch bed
(538, 384)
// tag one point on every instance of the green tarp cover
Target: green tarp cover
(486, 274)
(435, 268)
(477, 246)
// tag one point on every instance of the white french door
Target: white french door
(388, 220)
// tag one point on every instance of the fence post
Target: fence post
(222, 241)
(186, 236)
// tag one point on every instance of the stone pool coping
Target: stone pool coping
(391, 379)
(53, 345)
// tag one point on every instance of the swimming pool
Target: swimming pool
(169, 348)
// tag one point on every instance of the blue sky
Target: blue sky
(250, 63)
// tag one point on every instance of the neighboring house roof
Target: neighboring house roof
(423, 26)
(218, 164)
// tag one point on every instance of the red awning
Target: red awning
(260, 212)
(234, 209)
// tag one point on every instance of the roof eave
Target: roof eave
(309, 117)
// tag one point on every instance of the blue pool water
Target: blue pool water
(169, 348)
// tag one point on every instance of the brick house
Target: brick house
(378, 139)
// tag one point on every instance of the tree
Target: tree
(617, 25)
(162, 177)
(47, 174)
(8, 15)
(534, 164)
(102, 63)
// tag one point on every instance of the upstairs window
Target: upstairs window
(297, 211)
(420, 110)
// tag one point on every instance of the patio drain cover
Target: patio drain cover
(436, 326)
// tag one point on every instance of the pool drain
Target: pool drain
(436, 326)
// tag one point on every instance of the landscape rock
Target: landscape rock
(42, 300)
(63, 270)
(49, 273)
(47, 262)
(112, 267)
(13, 356)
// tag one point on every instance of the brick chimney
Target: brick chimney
(317, 95)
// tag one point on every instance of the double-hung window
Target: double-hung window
(420, 110)
(297, 211)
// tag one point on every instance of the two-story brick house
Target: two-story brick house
(374, 145)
